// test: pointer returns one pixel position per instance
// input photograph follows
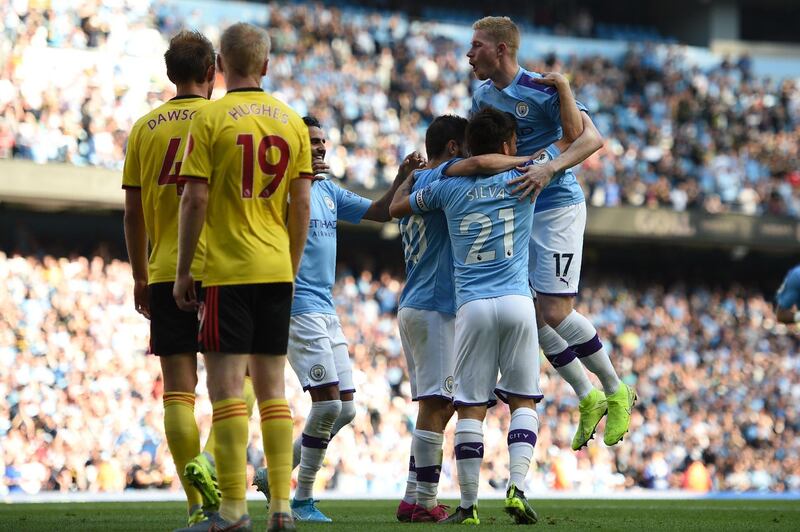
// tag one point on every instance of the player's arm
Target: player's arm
(786, 300)
(194, 203)
(135, 233)
(421, 201)
(379, 210)
(487, 164)
(400, 206)
(571, 122)
(536, 177)
(299, 214)
(136, 242)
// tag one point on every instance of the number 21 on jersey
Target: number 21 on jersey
(477, 253)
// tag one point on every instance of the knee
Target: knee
(347, 413)
(554, 312)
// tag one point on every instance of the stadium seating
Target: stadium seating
(716, 138)
(78, 384)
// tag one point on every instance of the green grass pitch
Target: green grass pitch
(377, 516)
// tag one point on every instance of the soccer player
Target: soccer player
(317, 346)
(495, 327)
(152, 164)
(557, 240)
(787, 300)
(246, 153)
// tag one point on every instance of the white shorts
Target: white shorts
(496, 334)
(427, 338)
(318, 352)
(556, 250)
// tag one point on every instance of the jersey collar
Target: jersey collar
(247, 89)
(185, 97)
(510, 89)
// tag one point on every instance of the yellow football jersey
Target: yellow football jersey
(153, 162)
(248, 146)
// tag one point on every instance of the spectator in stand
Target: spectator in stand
(84, 400)
(678, 136)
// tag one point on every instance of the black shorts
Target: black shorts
(172, 331)
(246, 319)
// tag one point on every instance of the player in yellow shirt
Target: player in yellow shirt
(152, 195)
(246, 153)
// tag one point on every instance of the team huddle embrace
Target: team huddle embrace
(233, 198)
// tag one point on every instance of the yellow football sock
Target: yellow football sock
(276, 429)
(229, 425)
(183, 438)
(249, 398)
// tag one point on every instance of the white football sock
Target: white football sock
(411, 483)
(564, 361)
(347, 415)
(521, 439)
(469, 455)
(582, 337)
(428, 456)
(315, 438)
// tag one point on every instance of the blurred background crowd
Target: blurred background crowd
(76, 75)
(83, 412)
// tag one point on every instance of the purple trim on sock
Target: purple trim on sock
(432, 396)
(306, 388)
(429, 474)
(312, 442)
(588, 348)
(563, 358)
(503, 395)
(522, 436)
(412, 464)
(465, 451)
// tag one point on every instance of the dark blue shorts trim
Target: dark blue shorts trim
(503, 396)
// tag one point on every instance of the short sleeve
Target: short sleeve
(553, 107)
(789, 293)
(350, 207)
(303, 163)
(475, 106)
(131, 171)
(197, 163)
(427, 199)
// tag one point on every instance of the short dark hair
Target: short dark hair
(488, 130)
(312, 121)
(442, 130)
(188, 57)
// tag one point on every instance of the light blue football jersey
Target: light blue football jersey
(489, 232)
(536, 108)
(314, 284)
(428, 256)
(789, 293)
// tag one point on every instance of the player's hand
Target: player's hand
(413, 161)
(535, 178)
(319, 166)
(184, 293)
(554, 79)
(141, 298)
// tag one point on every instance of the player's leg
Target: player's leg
(519, 387)
(434, 361)
(344, 370)
(408, 323)
(558, 240)
(173, 337)
(477, 345)
(273, 304)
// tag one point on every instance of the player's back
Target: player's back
(249, 146)
(153, 163)
(489, 229)
(428, 255)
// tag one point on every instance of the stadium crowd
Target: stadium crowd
(720, 139)
(83, 407)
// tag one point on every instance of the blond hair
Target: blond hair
(244, 48)
(500, 29)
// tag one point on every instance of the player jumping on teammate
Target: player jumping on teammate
(560, 219)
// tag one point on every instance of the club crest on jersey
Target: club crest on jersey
(317, 372)
(448, 384)
(329, 203)
(543, 158)
(522, 109)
